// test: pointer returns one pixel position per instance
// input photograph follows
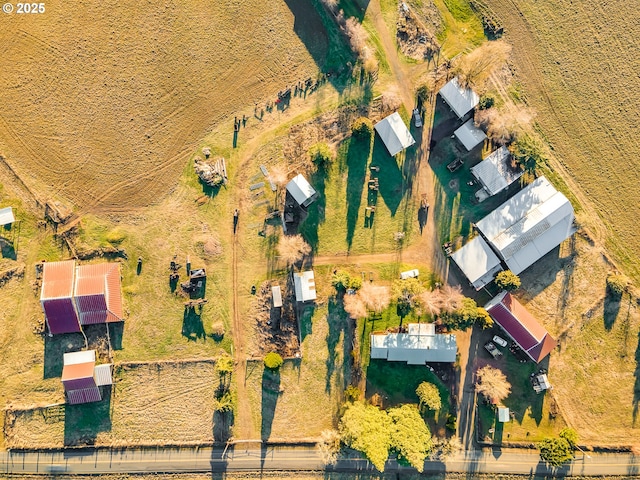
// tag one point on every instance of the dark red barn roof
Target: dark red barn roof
(520, 325)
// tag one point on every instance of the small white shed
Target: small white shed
(6, 216)
(301, 191)
(276, 295)
(394, 133)
(461, 100)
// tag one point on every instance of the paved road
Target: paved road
(92, 461)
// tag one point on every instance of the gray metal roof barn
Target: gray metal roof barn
(418, 346)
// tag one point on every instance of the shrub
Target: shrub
(355, 282)
(429, 396)
(352, 393)
(452, 422)
(617, 284)
(507, 280)
(273, 361)
(529, 152)
(340, 280)
(486, 101)
(362, 128)
(570, 435)
(115, 236)
(321, 155)
(217, 329)
(555, 451)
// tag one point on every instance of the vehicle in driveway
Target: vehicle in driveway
(493, 350)
(417, 119)
(500, 341)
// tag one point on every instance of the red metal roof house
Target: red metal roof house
(74, 296)
(56, 297)
(521, 326)
(81, 378)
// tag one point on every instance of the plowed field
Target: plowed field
(578, 62)
(101, 102)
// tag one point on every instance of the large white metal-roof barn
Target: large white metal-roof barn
(461, 100)
(394, 133)
(528, 225)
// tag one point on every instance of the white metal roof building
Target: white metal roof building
(276, 295)
(6, 216)
(478, 262)
(301, 191)
(420, 345)
(469, 135)
(528, 225)
(495, 172)
(394, 134)
(305, 286)
(461, 100)
(503, 414)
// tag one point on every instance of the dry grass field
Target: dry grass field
(107, 100)
(151, 404)
(578, 67)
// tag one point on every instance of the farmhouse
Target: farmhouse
(81, 377)
(528, 225)
(301, 191)
(420, 345)
(394, 134)
(496, 172)
(469, 135)
(73, 296)
(460, 100)
(478, 262)
(520, 326)
(305, 286)
(6, 216)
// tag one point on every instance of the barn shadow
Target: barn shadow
(116, 330)
(7, 249)
(357, 158)
(316, 27)
(316, 211)
(192, 327)
(391, 180)
(54, 349)
(83, 422)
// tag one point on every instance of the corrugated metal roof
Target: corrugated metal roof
(98, 293)
(77, 371)
(495, 171)
(414, 349)
(503, 414)
(305, 286)
(6, 216)
(57, 279)
(61, 315)
(74, 358)
(102, 374)
(277, 295)
(461, 100)
(301, 190)
(470, 135)
(394, 133)
(86, 395)
(421, 329)
(521, 326)
(478, 262)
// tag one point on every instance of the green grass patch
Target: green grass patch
(462, 28)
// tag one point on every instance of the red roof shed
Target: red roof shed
(521, 326)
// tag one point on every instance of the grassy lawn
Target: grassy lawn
(462, 28)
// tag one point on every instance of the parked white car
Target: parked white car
(417, 119)
(500, 341)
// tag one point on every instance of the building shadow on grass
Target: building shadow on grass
(358, 154)
(340, 327)
(7, 250)
(316, 211)
(192, 327)
(116, 330)
(54, 349)
(304, 314)
(83, 423)
(391, 180)
(270, 395)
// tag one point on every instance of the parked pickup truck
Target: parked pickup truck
(493, 350)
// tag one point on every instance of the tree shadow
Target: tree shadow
(219, 461)
(222, 425)
(316, 211)
(466, 428)
(636, 385)
(544, 471)
(339, 327)
(612, 303)
(358, 154)
(54, 349)
(83, 423)
(305, 316)
(270, 395)
(316, 27)
(192, 327)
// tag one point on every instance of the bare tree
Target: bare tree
(432, 301)
(354, 306)
(278, 174)
(504, 125)
(493, 384)
(329, 446)
(451, 298)
(475, 68)
(293, 248)
(375, 298)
